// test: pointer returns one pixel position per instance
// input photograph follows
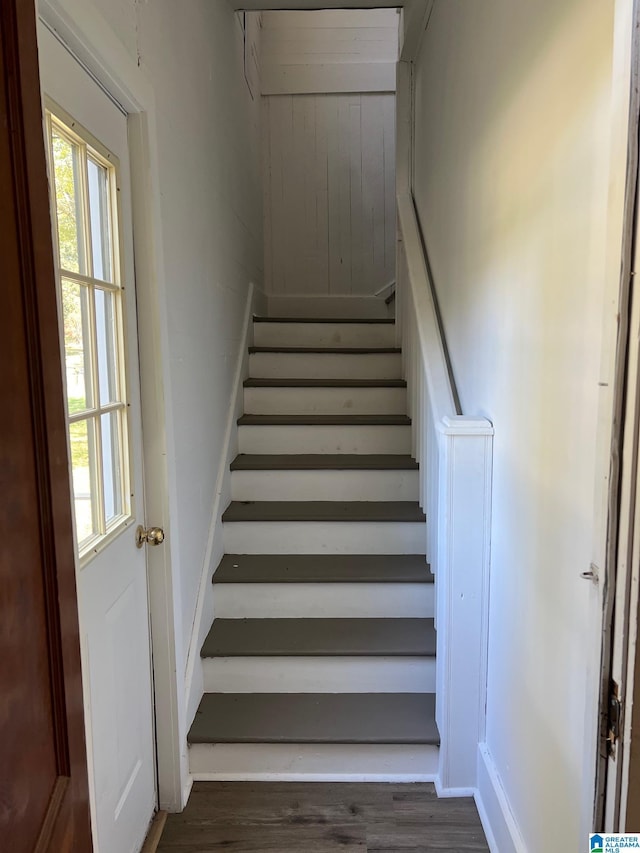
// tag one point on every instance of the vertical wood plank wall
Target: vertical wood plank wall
(329, 193)
(329, 36)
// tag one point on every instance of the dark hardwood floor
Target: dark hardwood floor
(322, 818)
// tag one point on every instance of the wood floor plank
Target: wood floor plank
(283, 836)
(434, 834)
(258, 817)
(259, 804)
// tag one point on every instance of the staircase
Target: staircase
(320, 663)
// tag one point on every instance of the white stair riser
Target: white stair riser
(323, 600)
(324, 485)
(324, 335)
(324, 537)
(273, 365)
(319, 675)
(356, 308)
(325, 401)
(324, 439)
(313, 762)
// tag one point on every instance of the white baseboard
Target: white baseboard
(260, 302)
(358, 307)
(194, 678)
(452, 793)
(498, 821)
(186, 791)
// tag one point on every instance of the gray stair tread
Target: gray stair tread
(324, 350)
(368, 321)
(323, 568)
(323, 461)
(378, 511)
(392, 637)
(254, 382)
(367, 718)
(324, 420)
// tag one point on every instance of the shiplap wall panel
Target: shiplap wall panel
(329, 51)
(329, 193)
(389, 173)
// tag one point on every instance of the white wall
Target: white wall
(329, 193)
(511, 174)
(209, 161)
(328, 129)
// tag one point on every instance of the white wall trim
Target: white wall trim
(452, 793)
(462, 594)
(498, 820)
(87, 35)
(194, 678)
(186, 791)
(457, 451)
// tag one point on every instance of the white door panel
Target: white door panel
(112, 578)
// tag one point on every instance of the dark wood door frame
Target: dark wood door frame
(44, 801)
(633, 797)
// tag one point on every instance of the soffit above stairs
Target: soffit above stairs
(415, 14)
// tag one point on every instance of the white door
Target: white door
(90, 188)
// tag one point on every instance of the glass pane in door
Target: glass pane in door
(77, 345)
(82, 441)
(67, 174)
(99, 215)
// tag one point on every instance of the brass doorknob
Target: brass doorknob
(151, 535)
